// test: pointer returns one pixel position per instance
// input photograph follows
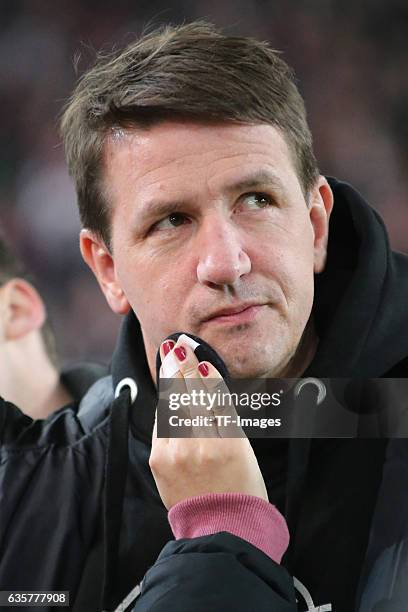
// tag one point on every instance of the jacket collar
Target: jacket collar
(129, 361)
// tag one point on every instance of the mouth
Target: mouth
(238, 315)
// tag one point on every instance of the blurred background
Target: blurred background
(350, 58)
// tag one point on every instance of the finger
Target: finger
(221, 401)
(203, 424)
(154, 434)
(156, 441)
(169, 365)
(165, 348)
(171, 385)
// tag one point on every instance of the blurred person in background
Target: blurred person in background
(204, 210)
(29, 372)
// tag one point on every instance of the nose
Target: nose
(222, 259)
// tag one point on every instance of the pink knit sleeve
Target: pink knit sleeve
(249, 517)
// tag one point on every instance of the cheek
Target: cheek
(288, 263)
(155, 287)
(291, 267)
(288, 240)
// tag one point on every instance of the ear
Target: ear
(320, 207)
(24, 310)
(102, 264)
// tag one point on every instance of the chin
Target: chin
(251, 372)
(250, 368)
(250, 352)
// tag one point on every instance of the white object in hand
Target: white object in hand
(170, 365)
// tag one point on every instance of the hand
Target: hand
(186, 467)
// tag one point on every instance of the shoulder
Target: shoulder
(66, 427)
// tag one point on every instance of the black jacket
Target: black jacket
(80, 510)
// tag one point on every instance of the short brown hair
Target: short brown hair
(12, 267)
(192, 71)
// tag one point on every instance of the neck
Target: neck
(303, 355)
(29, 380)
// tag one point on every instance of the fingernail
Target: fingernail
(204, 369)
(167, 346)
(180, 352)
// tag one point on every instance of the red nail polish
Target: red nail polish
(180, 352)
(204, 369)
(167, 346)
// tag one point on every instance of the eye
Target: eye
(171, 221)
(256, 200)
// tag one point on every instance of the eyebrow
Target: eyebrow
(254, 181)
(262, 178)
(155, 208)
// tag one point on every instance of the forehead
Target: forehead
(193, 156)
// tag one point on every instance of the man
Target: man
(204, 212)
(27, 363)
(29, 375)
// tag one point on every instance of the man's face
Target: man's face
(211, 235)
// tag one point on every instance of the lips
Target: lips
(231, 313)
